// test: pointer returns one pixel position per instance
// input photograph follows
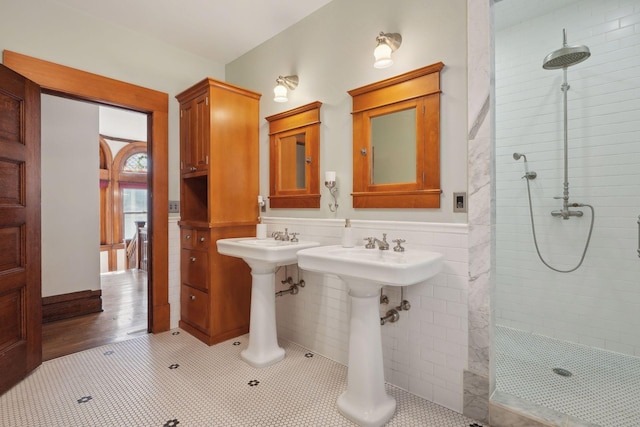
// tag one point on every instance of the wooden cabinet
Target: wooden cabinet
(218, 199)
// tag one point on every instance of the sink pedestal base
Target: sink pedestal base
(263, 349)
(365, 402)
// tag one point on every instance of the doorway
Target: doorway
(68, 82)
(93, 221)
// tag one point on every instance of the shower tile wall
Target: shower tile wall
(598, 304)
(425, 352)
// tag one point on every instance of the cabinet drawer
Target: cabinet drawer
(194, 266)
(194, 307)
(202, 239)
(187, 238)
(192, 238)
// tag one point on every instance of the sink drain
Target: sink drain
(562, 372)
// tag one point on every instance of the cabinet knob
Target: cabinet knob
(193, 168)
(192, 297)
(193, 259)
(202, 239)
(188, 236)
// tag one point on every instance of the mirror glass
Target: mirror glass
(393, 147)
(292, 162)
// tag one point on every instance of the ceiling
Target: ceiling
(220, 30)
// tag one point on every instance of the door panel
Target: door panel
(20, 300)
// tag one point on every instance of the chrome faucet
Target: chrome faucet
(383, 245)
(279, 235)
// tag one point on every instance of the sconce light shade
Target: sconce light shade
(280, 93)
(284, 83)
(387, 43)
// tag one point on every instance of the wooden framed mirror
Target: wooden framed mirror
(294, 157)
(396, 141)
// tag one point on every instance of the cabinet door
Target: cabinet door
(194, 135)
(187, 116)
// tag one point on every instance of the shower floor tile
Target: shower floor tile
(604, 387)
(173, 380)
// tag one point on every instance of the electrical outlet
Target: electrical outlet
(174, 206)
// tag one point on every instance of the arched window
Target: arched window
(130, 196)
(136, 163)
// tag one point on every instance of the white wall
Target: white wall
(70, 196)
(121, 123)
(50, 31)
(598, 304)
(332, 52)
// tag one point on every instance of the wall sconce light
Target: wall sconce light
(330, 183)
(284, 83)
(387, 43)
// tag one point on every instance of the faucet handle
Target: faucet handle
(370, 243)
(294, 237)
(398, 247)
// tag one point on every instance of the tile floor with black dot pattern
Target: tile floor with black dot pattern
(173, 380)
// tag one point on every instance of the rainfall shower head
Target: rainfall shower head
(566, 56)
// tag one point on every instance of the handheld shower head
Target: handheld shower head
(527, 174)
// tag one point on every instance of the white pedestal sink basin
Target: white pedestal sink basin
(263, 256)
(365, 402)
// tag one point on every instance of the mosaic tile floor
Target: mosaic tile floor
(173, 380)
(604, 387)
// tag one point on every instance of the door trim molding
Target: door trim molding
(73, 83)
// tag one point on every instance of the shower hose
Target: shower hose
(535, 240)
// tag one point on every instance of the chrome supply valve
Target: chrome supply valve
(391, 316)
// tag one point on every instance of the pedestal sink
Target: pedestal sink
(365, 402)
(263, 256)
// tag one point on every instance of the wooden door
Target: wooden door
(20, 293)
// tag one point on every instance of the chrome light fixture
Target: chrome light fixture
(387, 44)
(284, 83)
(330, 183)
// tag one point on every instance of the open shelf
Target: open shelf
(194, 198)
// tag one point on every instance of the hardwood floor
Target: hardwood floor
(124, 316)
